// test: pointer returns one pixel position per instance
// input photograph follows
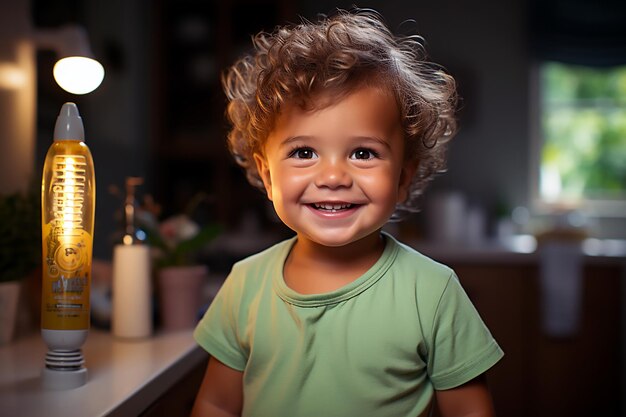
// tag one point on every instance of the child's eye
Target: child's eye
(302, 153)
(363, 154)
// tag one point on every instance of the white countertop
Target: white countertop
(124, 377)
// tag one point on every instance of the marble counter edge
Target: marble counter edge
(153, 389)
(125, 376)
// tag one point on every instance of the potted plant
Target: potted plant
(20, 240)
(177, 243)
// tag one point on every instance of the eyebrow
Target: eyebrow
(376, 139)
(292, 139)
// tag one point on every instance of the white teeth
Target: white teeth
(331, 207)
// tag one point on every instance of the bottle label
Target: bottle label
(66, 280)
(67, 250)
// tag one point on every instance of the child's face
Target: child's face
(335, 174)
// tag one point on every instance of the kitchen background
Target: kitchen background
(159, 115)
(159, 112)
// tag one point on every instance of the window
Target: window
(582, 124)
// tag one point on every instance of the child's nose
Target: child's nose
(333, 174)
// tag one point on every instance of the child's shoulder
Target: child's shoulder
(255, 272)
(423, 269)
(267, 258)
(408, 254)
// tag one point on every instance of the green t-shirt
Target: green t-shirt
(376, 347)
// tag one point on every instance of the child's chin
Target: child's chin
(338, 241)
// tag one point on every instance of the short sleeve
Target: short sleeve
(217, 330)
(462, 347)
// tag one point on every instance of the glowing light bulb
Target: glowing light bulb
(78, 74)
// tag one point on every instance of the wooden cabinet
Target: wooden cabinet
(540, 375)
(499, 294)
(195, 40)
(179, 399)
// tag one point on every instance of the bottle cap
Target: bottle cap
(69, 125)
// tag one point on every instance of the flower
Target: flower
(177, 229)
(178, 240)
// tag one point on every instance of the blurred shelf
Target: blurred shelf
(517, 249)
(195, 41)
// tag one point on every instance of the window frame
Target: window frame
(595, 208)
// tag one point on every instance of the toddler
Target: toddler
(342, 124)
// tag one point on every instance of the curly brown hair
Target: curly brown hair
(338, 54)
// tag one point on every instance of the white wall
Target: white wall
(17, 98)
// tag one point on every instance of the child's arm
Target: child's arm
(221, 392)
(470, 399)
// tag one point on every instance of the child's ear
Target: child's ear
(264, 172)
(406, 177)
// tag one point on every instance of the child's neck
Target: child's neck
(312, 268)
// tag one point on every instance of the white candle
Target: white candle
(132, 292)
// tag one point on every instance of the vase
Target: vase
(180, 296)
(9, 297)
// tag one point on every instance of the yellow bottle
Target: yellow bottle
(68, 207)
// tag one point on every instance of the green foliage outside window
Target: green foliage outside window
(584, 131)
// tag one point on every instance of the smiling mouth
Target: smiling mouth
(332, 207)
